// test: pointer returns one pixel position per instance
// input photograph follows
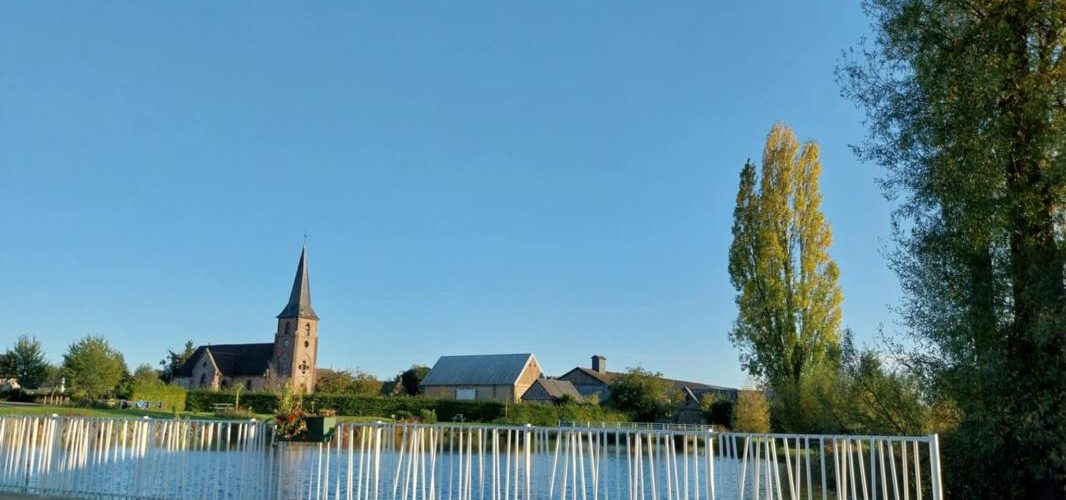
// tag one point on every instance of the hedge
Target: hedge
(259, 402)
(170, 395)
(550, 415)
(403, 406)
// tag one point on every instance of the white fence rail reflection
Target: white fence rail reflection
(203, 459)
(133, 458)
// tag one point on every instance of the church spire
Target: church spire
(299, 305)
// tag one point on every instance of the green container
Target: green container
(320, 429)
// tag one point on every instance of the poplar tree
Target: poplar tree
(788, 299)
(966, 113)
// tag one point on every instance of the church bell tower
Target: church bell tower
(296, 341)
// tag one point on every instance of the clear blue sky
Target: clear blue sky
(475, 177)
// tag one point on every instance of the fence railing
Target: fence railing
(203, 459)
(655, 426)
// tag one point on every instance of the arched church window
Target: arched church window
(307, 344)
(203, 379)
(307, 328)
(288, 328)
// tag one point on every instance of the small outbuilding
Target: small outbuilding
(486, 377)
(551, 390)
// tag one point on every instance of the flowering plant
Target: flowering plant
(290, 418)
(291, 423)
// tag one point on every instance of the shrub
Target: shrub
(172, 396)
(428, 416)
(752, 412)
(551, 415)
(368, 406)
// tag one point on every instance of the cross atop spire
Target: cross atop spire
(299, 305)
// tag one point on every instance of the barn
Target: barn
(485, 377)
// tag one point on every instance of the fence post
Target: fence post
(934, 464)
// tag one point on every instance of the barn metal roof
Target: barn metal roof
(481, 369)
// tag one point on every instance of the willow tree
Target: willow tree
(788, 298)
(966, 113)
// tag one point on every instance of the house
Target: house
(592, 382)
(597, 381)
(290, 359)
(550, 390)
(488, 377)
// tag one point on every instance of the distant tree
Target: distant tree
(53, 378)
(359, 383)
(125, 386)
(334, 382)
(788, 298)
(411, 379)
(175, 359)
(8, 367)
(752, 412)
(92, 367)
(145, 374)
(644, 394)
(716, 410)
(366, 384)
(25, 362)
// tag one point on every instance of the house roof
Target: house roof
(607, 378)
(299, 305)
(233, 360)
(557, 389)
(482, 369)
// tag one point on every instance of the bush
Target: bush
(409, 407)
(551, 415)
(172, 396)
(367, 406)
(752, 412)
(258, 402)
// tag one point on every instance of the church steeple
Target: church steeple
(296, 341)
(299, 305)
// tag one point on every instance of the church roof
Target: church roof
(233, 360)
(299, 305)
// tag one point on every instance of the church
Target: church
(290, 359)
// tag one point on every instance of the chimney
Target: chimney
(599, 364)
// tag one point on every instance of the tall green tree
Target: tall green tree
(411, 379)
(788, 298)
(25, 362)
(966, 114)
(92, 367)
(175, 359)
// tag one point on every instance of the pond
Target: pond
(237, 460)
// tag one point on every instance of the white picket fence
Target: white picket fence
(87, 457)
